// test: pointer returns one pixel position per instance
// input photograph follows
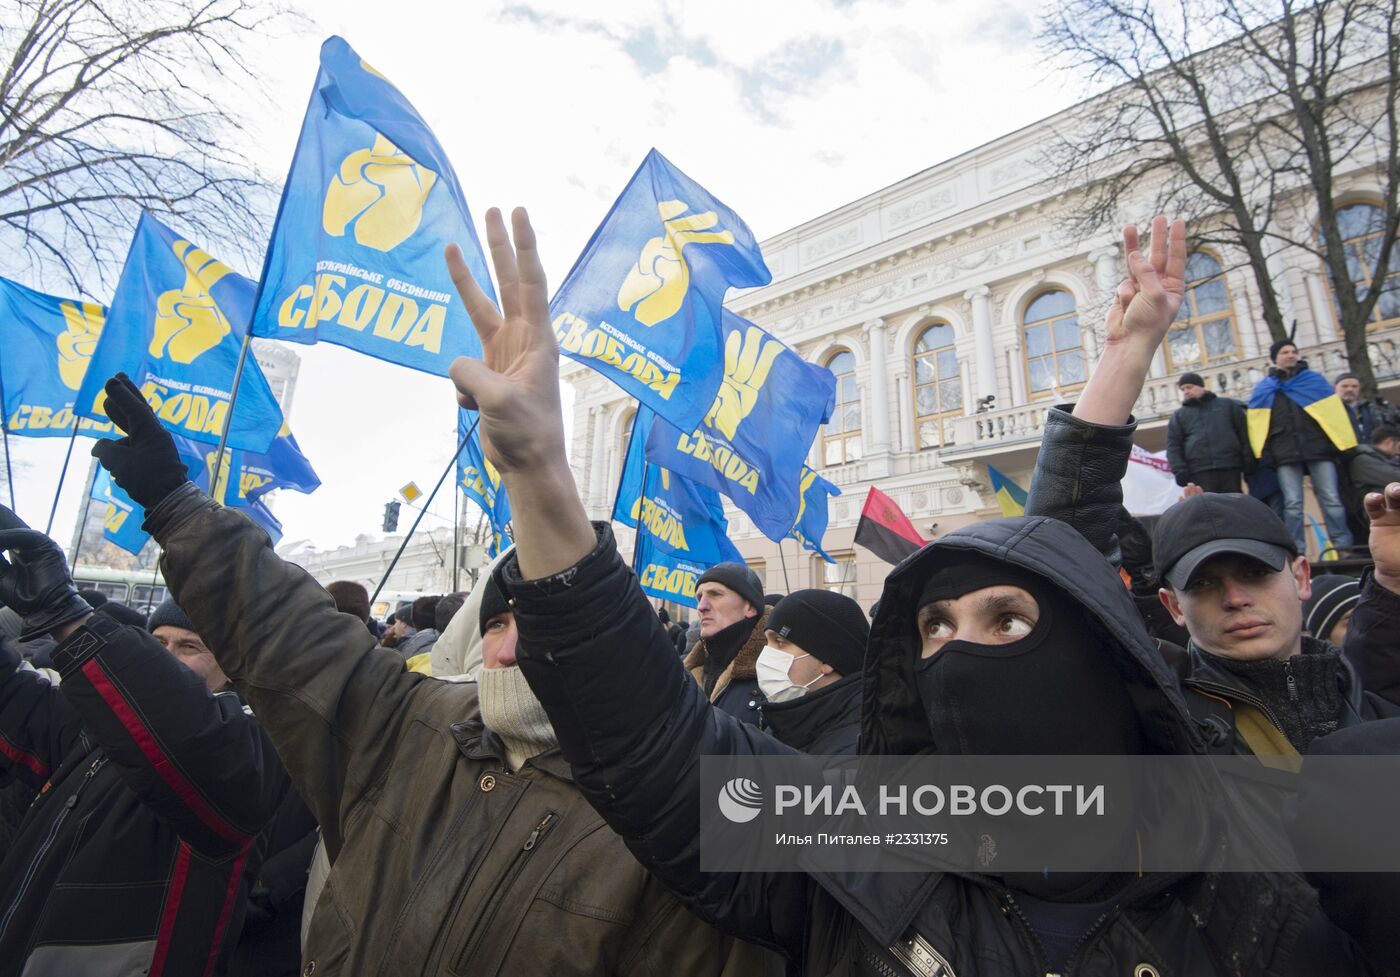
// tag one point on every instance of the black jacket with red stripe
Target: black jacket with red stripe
(135, 855)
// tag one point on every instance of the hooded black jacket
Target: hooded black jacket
(135, 857)
(634, 747)
(1207, 434)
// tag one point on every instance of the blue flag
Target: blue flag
(246, 476)
(812, 515)
(121, 525)
(629, 487)
(642, 303)
(44, 356)
(666, 575)
(752, 442)
(684, 519)
(355, 257)
(480, 482)
(176, 326)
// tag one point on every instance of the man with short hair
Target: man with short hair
(729, 601)
(1207, 443)
(351, 598)
(1362, 413)
(1299, 419)
(1375, 464)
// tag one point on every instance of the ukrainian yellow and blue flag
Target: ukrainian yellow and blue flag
(1010, 496)
(1310, 391)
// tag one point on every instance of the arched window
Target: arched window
(1204, 330)
(1054, 351)
(841, 440)
(938, 390)
(1363, 228)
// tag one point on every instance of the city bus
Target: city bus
(141, 589)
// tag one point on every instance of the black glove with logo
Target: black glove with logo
(145, 463)
(34, 581)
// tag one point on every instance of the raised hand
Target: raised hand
(1383, 509)
(34, 581)
(145, 463)
(515, 386)
(1148, 299)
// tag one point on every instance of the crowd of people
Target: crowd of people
(260, 779)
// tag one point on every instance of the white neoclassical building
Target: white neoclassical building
(954, 311)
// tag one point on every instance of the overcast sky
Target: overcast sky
(782, 110)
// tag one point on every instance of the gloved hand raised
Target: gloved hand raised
(145, 463)
(34, 581)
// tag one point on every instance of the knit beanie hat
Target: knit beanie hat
(169, 613)
(1277, 345)
(1190, 378)
(828, 626)
(738, 578)
(493, 602)
(1332, 596)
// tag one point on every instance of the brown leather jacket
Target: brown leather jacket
(443, 861)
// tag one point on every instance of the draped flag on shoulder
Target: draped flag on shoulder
(480, 482)
(370, 202)
(1011, 498)
(1310, 391)
(44, 356)
(751, 444)
(176, 327)
(885, 530)
(812, 512)
(642, 303)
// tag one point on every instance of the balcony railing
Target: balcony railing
(1012, 427)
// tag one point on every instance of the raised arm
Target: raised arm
(1373, 637)
(630, 721)
(1084, 452)
(329, 701)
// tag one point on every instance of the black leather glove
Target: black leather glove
(145, 463)
(34, 581)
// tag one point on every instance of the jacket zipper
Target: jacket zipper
(503, 885)
(1008, 902)
(1289, 680)
(1227, 692)
(68, 806)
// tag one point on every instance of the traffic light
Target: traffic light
(391, 516)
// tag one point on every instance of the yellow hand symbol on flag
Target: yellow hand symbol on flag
(77, 341)
(382, 190)
(189, 322)
(748, 359)
(657, 283)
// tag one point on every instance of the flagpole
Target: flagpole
(456, 536)
(5, 432)
(783, 559)
(228, 417)
(637, 542)
(61, 476)
(421, 512)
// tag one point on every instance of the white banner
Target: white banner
(1148, 486)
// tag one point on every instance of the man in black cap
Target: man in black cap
(729, 600)
(1233, 578)
(810, 672)
(1207, 440)
(177, 635)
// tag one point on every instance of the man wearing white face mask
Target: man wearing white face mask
(810, 672)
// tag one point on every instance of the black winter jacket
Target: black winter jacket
(1207, 434)
(825, 722)
(1294, 437)
(134, 858)
(634, 746)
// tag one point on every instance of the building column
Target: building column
(1323, 310)
(879, 405)
(904, 410)
(981, 299)
(596, 479)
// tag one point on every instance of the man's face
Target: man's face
(719, 607)
(1287, 357)
(803, 668)
(1349, 390)
(1236, 607)
(498, 642)
(191, 652)
(990, 616)
(1390, 446)
(1191, 391)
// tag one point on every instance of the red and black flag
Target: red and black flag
(885, 530)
